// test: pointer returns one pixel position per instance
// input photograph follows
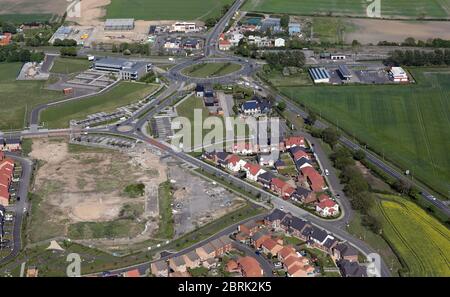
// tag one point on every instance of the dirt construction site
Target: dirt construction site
(79, 193)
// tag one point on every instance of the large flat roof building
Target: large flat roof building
(119, 24)
(319, 75)
(127, 69)
(344, 72)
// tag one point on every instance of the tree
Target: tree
(359, 155)
(114, 48)
(355, 43)
(330, 136)
(211, 22)
(409, 42)
(284, 21)
(281, 106)
(312, 118)
(9, 27)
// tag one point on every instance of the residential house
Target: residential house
(352, 269)
(318, 237)
(329, 244)
(265, 179)
(285, 252)
(172, 43)
(282, 188)
(5, 38)
(199, 90)
(298, 154)
(234, 163)
(303, 195)
(10, 144)
(300, 271)
(209, 263)
(191, 44)
(221, 245)
(258, 238)
(253, 171)
(245, 148)
(159, 268)
(206, 251)
(294, 141)
(250, 107)
(302, 163)
(270, 246)
(132, 273)
(273, 220)
(192, 259)
(344, 251)
(249, 228)
(224, 45)
(327, 208)
(279, 42)
(315, 180)
(178, 264)
(180, 274)
(221, 158)
(279, 164)
(250, 267)
(232, 266)
(266, 160)
(295, 226)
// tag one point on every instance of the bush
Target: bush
(135, 190)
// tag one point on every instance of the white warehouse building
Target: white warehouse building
(127, 70)
(397, 74)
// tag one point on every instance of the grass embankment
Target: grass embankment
(211, 69)
(69, 65)
(166, 229)
(123, 94)
(17, 98)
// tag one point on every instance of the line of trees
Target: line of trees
(64, 42)
(281, 59)
(68, 51)
(410, 41)
(419, 58)
(131, 48)
(13, 53)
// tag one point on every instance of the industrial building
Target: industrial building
(119, 24)
(397, 74)
(344, 72)
(184, 27)
(127, 70)
(319, 75)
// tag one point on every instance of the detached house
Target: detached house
(250, 267)
(253, 171)
(303, 195)
(265, 179)
(234, 163)
(327, 208)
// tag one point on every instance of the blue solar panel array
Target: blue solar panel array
(319, 73)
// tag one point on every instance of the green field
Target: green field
(69, 65)
(408, 124)
(419, 239)
(125, 93)
(211, 69)
(169, 10)
(17, 98)
(392, 8)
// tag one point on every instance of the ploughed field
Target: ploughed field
(407, 124)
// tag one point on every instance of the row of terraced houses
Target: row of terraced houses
(6, 176)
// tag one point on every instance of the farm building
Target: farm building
(119, 24)
(294, 28)
(128, 70)
(344, 72)
(319, 75)
(397, 74)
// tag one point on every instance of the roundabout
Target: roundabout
(212, 70)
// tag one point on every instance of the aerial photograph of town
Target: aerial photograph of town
(216, 139)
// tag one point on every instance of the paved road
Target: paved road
(266, 266)
(20, 207)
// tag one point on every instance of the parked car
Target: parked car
(327, 172)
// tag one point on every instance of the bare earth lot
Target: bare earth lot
(33, 6)
(373, 31)
(86, 185)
